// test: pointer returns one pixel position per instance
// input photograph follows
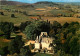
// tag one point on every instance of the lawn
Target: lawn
(42, 54)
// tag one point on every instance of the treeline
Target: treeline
(68, 40)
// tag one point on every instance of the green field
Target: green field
(18, 17)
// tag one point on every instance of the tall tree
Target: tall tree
(24, 24)
(25, 51)
(15, 45)
(56, 25)
(36, 28)
(7, 28)
(4, 51)
(74, 46)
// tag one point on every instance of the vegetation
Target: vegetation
(27, 11)
(12, 15)
(59, 23)
(1, 13)
(24, 24)
(15, 45)
(66, 38)
(6, 28)
(25, 51)
(36, 28)
(42, 54)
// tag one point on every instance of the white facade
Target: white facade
(43, 41)
(37, 45)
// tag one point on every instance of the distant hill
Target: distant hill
(38, 4)
(42, 4)
(69, 3)
(11, 3)
(46, 3)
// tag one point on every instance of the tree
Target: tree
(12, 15)
(25, 51)
(30, 31)
(15, 54)
(74, 46)
(24, 24)
(68, 6)
(66, 25)
(36, 28)
(56, 26)
(4, 51)
(15, 45)
(7, 28)
(1, 33)
(1, 13)
(40, 17)
(70, 34)
(73, 23)
(61, 53)
(24, 12)
(51, 33)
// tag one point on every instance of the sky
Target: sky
(34, 1)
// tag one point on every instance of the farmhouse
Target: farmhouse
(43, 43)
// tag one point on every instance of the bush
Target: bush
(1, 13)
(12, 15)
(15, 45)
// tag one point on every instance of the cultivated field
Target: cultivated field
(62, 20)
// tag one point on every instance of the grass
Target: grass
(63, 12)
(19, 17)
(3, 42)
(42, 54)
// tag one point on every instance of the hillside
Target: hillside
(40, 5)
(11, 3)
(47, 10)
(46, 3)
